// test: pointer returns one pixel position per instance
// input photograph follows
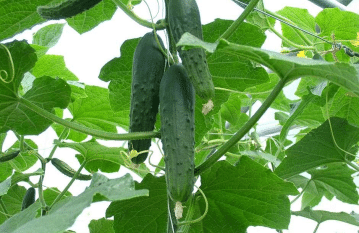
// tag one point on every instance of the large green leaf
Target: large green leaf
(288, 68)
(50, 195)
(23, 16)
(97, 156)
(64, 213)
(49, 35)
(142, 214)
(337, 179)
(89, 19)
(53, 66)
(345, 106)
(244, 195)
(46, 92)
(318, 148)
(321, 216)
(12, 202)
(302, 19)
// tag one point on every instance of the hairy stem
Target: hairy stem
(242, 131)
(68, 185)
(132, 15)
(61, 137)
(93, 132)
(238, 21)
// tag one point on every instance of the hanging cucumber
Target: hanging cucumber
(65, 169)
(177, 98)
(147, 71)
(183, 16)
(9, 156)
(28, 199)
(66, 9)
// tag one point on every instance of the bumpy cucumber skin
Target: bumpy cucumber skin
(29, 198)
(177, 103)
(66, 9)
(65, 169)
(147, 71)
(10, 156)
(183, 16)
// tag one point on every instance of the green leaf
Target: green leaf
(142, 214)
(53, 66)
(46, 92)
(289, 68)
(89, 19)
(119, 72)
(4, 186)
(101, 225)
(50, 195)
(12, 201)
(317, 148)
(97, 156)
(49, 35)
(64, 213)
(231, 112)
(321, 216)
(259, 19)
(301, 18)
(337, 179)
(345, 106)
(234, 190)
(313, 195)
(23, 16)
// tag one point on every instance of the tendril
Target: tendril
(4, 79)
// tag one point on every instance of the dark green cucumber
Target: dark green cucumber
(65, 169)
(9, 156)
(183, 16)
(177, 102)
(66, 9)
(147, 71)
(29, 198)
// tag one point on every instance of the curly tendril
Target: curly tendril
(4, 79)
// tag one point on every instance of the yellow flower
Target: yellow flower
(301, 54)
(356, 41)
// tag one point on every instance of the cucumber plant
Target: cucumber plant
(251, 184)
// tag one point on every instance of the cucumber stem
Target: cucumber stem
(93, 132)
(242, 131)
(69, 184)
(137, 19)
(238, 21)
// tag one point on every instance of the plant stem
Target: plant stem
(316, 228)
(238, 21)
(62, 136)
(242, 131)
(93, 132)
(300, 33)
(132, 15)
(2, 204)
(22, 142)
(301, 193)
(41, 180)
(301, 47)
(69, 184)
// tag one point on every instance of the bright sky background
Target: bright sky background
(85, 55)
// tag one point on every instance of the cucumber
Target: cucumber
(177, 103)
(9, 156)
(183, 16)
(65, 169)
(147, 71)
(66, 9)
(28, 199)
